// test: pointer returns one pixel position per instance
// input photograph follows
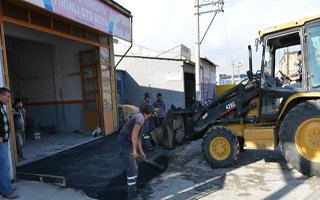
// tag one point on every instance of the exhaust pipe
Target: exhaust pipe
(250, 73)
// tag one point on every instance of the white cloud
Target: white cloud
(161, 25)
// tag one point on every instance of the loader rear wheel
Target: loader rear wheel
(220, 147)
(300, 137)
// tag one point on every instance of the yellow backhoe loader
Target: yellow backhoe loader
(266, 110)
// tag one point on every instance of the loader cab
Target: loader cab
(280, 62)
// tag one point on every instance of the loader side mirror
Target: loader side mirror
(256, 43)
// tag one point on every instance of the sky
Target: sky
(162, 25)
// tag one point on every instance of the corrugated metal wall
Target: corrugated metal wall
(164, 76)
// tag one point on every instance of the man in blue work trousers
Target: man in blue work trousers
(128, 142)
(6, 188)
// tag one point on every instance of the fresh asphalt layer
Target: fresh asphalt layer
(96, 168)
(116, 189)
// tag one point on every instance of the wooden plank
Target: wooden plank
(55, 180)
(54, 103)
(46, 30)
(7, 84)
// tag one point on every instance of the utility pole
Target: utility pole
(197, 6)
(238, 70)
(197, 53)
(232, 72)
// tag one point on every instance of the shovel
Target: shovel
(152, 162)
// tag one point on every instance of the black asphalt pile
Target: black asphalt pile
(95, 168)
(117, 190)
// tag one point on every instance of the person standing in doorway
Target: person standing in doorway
(5, 182)
(128, 142)
(19, 118)
(146, 140)
(160, 109)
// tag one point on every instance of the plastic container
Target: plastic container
(36, 135)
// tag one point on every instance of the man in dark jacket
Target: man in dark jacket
(19, 118)
(5, 182)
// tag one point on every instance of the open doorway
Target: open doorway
(189, 89)
(44, 70)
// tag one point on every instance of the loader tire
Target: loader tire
(300, 137)
(220, 147)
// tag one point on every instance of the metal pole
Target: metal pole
(288, 57)
(131, 44)
(238, 66)
(233, 72)
(197, 53)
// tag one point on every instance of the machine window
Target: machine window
(313, 42)
(280, 62)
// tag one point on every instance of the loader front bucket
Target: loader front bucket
(164, 135)
(175, 130)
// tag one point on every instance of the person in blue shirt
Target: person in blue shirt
(160, 109)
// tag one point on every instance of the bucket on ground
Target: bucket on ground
(36, 135)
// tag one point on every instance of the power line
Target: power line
(155, 53)
(168, 50)
(226, 36)
(269, 3)
(139, 45)
(208, 27)
(146, 47)
(205, 1)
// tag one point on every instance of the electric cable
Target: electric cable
(270, 3)
(226, 37)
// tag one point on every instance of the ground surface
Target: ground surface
(256, 175)
(50, 144)
(96, 169)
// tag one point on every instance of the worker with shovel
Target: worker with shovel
(128, 142)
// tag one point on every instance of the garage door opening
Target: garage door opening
(45, 71)
(190, 89)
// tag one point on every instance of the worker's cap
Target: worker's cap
(159, 94)
(147, 94)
